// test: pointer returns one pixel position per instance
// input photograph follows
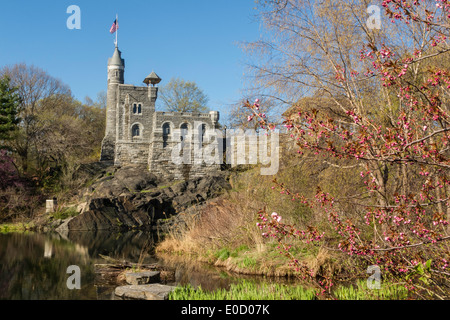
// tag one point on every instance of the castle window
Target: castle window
(166, 129)
(137, 108)
(184, 130)
(135, 131)
(166, 132)
(203, 131)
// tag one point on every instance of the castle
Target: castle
(137, 134)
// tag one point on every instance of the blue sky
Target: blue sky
(195, 40)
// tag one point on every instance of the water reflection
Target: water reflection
(34, 266)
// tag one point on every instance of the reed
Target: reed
(360, 291)
(245, 290)
(250, 290)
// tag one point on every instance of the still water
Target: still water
(34, 266)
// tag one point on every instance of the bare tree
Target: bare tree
(34, 86)
(179, 95)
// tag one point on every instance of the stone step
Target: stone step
(153, 291)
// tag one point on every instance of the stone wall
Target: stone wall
(131, 153)
(134, 118)
(126, 118)
(181, 162)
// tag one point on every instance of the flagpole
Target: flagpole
(117, 28)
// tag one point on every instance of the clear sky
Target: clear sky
(195, 40)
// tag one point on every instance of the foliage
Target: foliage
(55, 135)
(385, 116)
(179, 95)
(64, 213)
(17, 195)
(8, 173)
(33, 85)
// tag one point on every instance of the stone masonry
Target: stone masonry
(137, 134)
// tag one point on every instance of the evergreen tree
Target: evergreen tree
(9, 102)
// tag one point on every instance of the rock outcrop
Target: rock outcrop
(133, 198)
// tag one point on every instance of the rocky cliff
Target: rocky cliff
(132, 198)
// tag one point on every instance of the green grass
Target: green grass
(362, 292)
(245, 290)
(65, 213)
(247, 262)
(14, 227)
(249, 290)
(222, 254)
(225, 253)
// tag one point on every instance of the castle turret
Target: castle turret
(116, 69)
(152, 79)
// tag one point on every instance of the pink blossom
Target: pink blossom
(276, 217)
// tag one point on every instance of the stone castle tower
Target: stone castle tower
(137, 134)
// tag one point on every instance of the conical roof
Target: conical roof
(116, 59)
(152, 78)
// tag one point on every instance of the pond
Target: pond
(34, 266)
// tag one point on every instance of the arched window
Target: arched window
(203, 131)
(137, 108)
(135, 131)
(166, 133)
(166, 129)
(184, 130)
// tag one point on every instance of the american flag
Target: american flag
(114, 26)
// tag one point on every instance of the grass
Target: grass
(249, 290)
(247, 262)
(225, 253)
(222, 254)
(361, 292)
(64, 213)
(14, 227)
(245, 290)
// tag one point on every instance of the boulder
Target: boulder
(153, 291)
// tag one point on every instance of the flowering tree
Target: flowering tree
(392, 123)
